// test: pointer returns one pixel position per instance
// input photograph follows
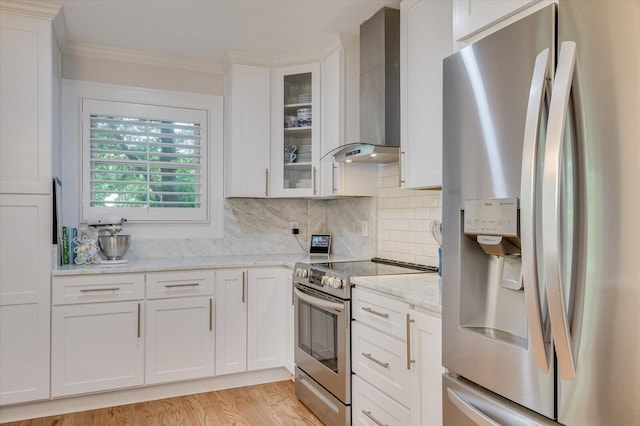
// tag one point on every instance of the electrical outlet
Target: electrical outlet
(295, 229)
(365, 228)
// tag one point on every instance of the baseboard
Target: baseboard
(74, 404)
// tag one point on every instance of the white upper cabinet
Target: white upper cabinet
(248, 131)
(295, 142)
(341, 124)
(471, 17)
(425, 40)
(26, 58)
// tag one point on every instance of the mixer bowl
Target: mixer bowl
(114, 246)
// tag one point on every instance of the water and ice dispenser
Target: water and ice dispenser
(492, 301)
(493, 224)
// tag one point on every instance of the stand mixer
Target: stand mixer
(112, 246)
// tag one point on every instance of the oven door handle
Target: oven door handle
(317, 301)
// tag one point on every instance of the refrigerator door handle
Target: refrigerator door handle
(469, 410)
(528, 205)
(551, 209)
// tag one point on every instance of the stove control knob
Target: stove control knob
(297, 272)
(324, 281)
(304, 273)
(337, 283)
(330, 281)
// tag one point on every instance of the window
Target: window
(144, 162)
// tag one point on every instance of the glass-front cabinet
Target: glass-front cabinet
(295, 155)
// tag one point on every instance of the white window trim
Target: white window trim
(73, 91)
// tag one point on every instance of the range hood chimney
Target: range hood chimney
(379, 91)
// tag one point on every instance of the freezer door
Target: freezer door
(496, 333)
(467, 404)
(601, 360)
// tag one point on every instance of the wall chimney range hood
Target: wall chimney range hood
(379, 92)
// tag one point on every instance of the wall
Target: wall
(101, 70)
(404, 219)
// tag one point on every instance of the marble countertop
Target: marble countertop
(187, 263)
(421, 290)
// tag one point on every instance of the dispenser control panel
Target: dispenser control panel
(494, 216)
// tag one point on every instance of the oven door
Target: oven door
(322, 338)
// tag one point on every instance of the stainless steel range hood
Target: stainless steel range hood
(379, 92)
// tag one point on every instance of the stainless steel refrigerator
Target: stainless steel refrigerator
(541, 273)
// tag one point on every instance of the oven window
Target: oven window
(317, 334)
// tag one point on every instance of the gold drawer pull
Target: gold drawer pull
(377, 361)
(371, 311)
(376, 421)
(91, 290)
(181, 285)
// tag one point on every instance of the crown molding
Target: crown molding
(60, 29)
(30, 8)
(341, 41)
(142, 57)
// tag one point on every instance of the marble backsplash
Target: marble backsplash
(259, 226)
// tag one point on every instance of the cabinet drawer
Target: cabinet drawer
(380, 312)
(179, 284)
(97, 288)
(372, 407)
(382, 361)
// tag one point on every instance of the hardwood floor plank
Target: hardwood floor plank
(268, 404)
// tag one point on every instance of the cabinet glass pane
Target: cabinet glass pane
(298, 122)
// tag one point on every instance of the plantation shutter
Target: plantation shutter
(143, 158)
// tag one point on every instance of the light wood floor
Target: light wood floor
(268, 404)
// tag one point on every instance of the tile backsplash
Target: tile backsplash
(404, 219)
(398, 225)
(258, 226)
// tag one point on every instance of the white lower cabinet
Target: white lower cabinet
(96, 347)
(267, 316)
(426, 377)
(369, 406)
(251, 319)
(180, 338)
(396, 361)
(24, 297)
(381, 360)
(231, 322)
(180, 341)
(106, 334)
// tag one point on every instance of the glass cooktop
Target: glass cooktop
(373, 267)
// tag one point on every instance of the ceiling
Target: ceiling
(205, 29)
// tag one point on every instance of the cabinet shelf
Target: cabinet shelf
(301, 105)
(305, 129)
(297, 165)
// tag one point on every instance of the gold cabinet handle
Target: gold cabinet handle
(243, 280)
(402, 155)
(377, 361)
(333, 178)
(409, 360)
(210, 314)
(314, 180)
(371, 311)
(376, 421)
(181, 285)
(91, 290)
